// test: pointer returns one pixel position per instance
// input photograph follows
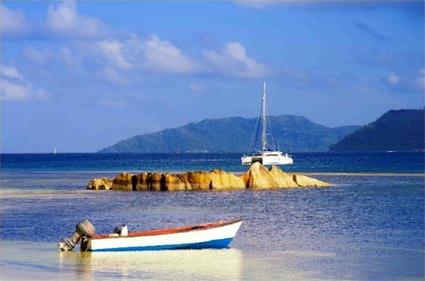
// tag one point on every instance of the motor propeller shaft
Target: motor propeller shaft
(83, 229)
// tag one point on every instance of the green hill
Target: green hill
(292, 133)
(396, 130)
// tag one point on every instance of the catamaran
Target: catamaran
(268, 154)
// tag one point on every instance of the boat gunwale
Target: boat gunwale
(165, 231)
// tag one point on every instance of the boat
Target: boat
(268, 158)
(216, 235)
(268, 154)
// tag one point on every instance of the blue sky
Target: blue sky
(80, 76)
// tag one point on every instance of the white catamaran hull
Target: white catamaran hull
(218, 236)
(268, 160)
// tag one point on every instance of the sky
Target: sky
(80, 76)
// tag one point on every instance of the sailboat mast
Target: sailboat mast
(263, 118)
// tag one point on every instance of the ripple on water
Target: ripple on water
(364, 228)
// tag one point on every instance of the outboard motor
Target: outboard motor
(83, 229)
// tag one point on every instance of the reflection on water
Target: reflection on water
(41, 261)
(175, 265)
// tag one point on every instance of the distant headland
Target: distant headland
(233, 134)
(396, 130)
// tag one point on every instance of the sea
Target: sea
(368, 226)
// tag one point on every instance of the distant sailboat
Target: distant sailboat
(267, 154)
(54, 150)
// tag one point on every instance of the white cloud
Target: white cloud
(14, 87)
(10, 72)
(19, 91)
(12, 22)
(161, 55)
(135, 54)
(64, 19)
(393, 78)
(233, 60)
(113, 51)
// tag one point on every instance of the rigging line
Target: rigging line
(263, 119)
(273, 140)
(257, 143)
(254, 136)
(257, 140)
(270, 132)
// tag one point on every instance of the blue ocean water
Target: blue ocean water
(363, 228)
(306, 162)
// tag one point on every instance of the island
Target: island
(396, 130)
(233, 134)
(256, 177)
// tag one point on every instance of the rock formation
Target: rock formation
(257, 177)
(285, 180)
(100, 184)
(123, 181)
(176, 182)
(142, 182)
(302, 180)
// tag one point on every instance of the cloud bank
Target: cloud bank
(91, 46)
(233, 60)
(14, 87)
(13, 23)
(63, 19)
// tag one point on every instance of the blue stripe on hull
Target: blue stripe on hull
(213, 244)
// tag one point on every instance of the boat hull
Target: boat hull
(267, 160)
(215, 244)
(216, 237)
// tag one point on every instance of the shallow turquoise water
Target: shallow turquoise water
(364, 228)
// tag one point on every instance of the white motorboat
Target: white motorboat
(211, 235)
